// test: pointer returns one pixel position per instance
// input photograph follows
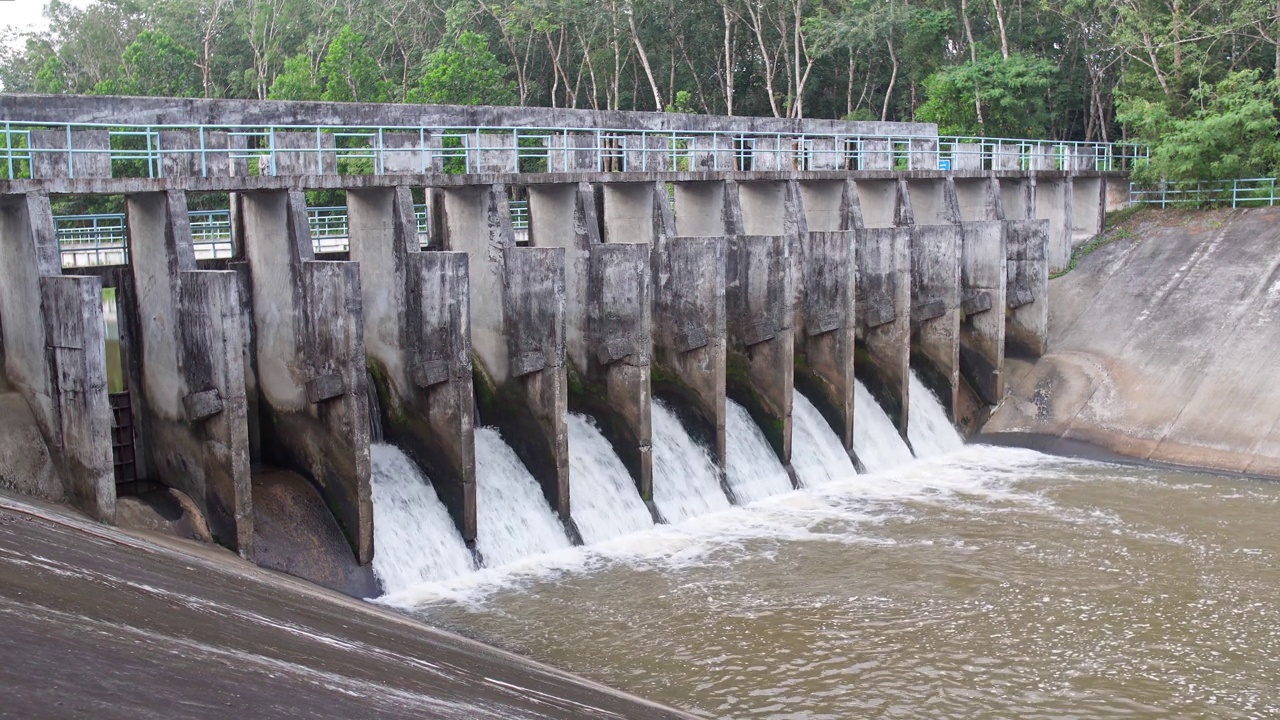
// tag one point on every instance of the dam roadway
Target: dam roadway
(105, 624)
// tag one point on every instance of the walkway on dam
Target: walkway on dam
(1162, 345)
(104, 624)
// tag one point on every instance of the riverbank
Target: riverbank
(113, 624)
(1162, 346)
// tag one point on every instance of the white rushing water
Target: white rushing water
(817, 455)
(605, 501)
(875, 440)
(754, 471)
(513, 517)
(931, 433)
(415, 538)
(686, 483)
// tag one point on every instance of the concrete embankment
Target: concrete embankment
(1163, 345)
(101, 623)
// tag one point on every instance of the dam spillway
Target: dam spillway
(698, 273)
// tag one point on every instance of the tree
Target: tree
(1010, 93)
(464, 73)
(155, 64)
(1232, 133)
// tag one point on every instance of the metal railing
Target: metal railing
(102, 239)
(1248, 192)
(37, 150)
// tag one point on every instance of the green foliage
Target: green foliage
(348, 73)
(1011, 94)
(464, 72)
(683, 103)
(155, 65)
(1230, 133)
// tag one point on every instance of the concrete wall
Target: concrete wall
(1088, 208)
(311, 376)
(607, 309)
(689, 351)
(88, 164)
(983, 263)
(825, 333)
(884, 317)
(418, 344)
(1053, 202)
(700, 209)
(193, 407)
(53, 348)
(1162, 347)
(1027, 327)
(759, 302)
(935, 309)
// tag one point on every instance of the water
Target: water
(876, 441)
(513, 519)
(931, 433)
(990, 582)
(604, 502)
(754, 471)
(686, 483)
(415, 539)
(817, 455)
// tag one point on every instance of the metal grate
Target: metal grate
(122, 445)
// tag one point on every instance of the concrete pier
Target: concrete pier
(1053, 202)
(759, 309)
(607, 312)
(310, 360)
(826, 327)
(194, 408)
(518, 332)
(883, 359)
(983, 277)
(418, 344)
(935, 288)
(1027, 326)
(53, 346)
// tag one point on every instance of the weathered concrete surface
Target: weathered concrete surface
(1163, 346)
(418, 344)
(297, 534)
(689, 350)
(1088, 208)
(163, 510)
(983, 276)
(1053, 202)
(825, 338)
(883, 307)
(113, 625)
(310, 370)
(607, 310)
(25, 465)
(935, 308)
(193, 408)
(1027, 288)
(760, 315)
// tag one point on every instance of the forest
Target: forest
(1195, 79)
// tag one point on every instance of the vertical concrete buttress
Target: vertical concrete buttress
(53, 350)
(518, 332)
(883, 258)
(1027, 325)
(982, 279)
(418, 344)
(935, 288)
(311, 374)
(608, 316)
(194, 408)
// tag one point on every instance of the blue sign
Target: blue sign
(944, 165)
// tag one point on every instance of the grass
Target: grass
(1117, 229)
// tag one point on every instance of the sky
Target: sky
(26, 14)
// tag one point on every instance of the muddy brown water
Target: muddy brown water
(992, 583)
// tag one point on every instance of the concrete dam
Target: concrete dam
(673, 282)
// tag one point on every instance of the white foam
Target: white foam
(513, 519)
(930, 431)
(604, 502)
(415, 539)
(686, 483)
(817, 455)
(876, 441)
(754, 471)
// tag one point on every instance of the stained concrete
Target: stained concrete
(825, 337)
(25, 465)
(1162, 346)
(1027, 288)
(113, 625)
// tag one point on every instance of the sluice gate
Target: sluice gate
(688, 260)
